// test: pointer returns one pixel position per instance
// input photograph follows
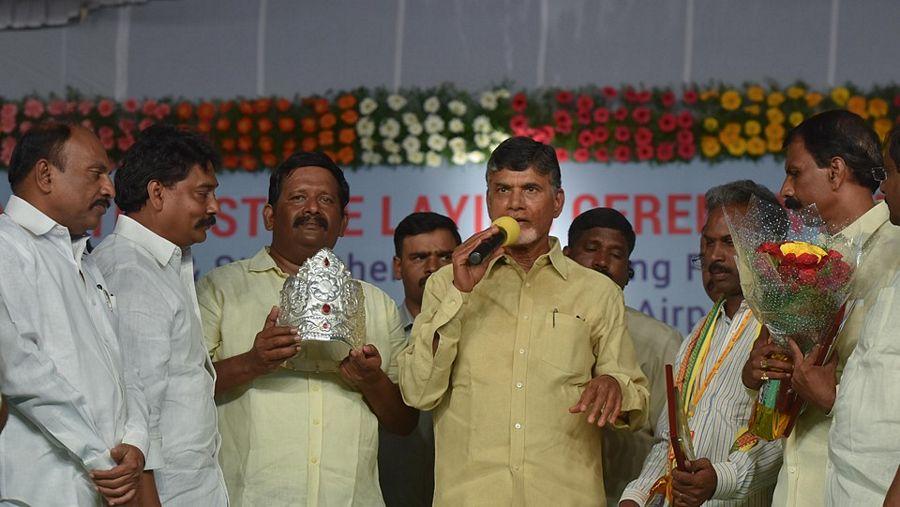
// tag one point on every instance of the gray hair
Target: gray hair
(738, 193)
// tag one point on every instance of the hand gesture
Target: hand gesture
(763, 365)
(815, 384)
(465, 276)
(119, 484)
(696, 485)
(602, 399)
(273, 345)
(362, 367)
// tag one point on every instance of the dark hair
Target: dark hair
(521, 153)
(892, 145)
(738, 193)
(43, 141)
(308, 159)
(601, 217)
(840, 133)
(420, 223)
(163, 153)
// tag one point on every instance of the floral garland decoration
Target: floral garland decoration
(444, 125)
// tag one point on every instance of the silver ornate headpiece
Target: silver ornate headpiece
(327, 305)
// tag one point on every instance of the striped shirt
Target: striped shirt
(744, 479)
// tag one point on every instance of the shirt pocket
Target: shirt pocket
(565, 344)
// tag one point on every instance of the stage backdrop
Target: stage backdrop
(665, 205)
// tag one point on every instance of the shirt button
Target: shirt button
(316, 388)
(521, 351)
(519, 385)
(517, 426)
(314, 460)
(528, 285)
(525, 317)
(516, 468)
(315, 422)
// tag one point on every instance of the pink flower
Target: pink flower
(610, 92)
(667, 122)
(665, 152)
(645, 152)
(25, 126)
(601, 134)
(71, 106)
(34, 108)
(585, 103)
(126, 125)
(85, 107)
(667, 99)
(6, 149)
(686, 151)
(9, 110)
(56, 107)
(601, 115)
(689, 96)
(149, 107)
(641, 115)
(106, 132)
(622, 153)
(644, 96)
(162, 110)
(106, 108)
(685, 137)
(130, 105)
(685, 119)
(622, 134)
(585, 138)
(601, 154)
(564, 97)
(584, 117)
(562, 155)
(108, 142)
(620, 114)
(125, 142)
(643, 136)
(146, 122)
(581, 155)
(7, 124)
(631, 96)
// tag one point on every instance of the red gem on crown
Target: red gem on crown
(326, 308)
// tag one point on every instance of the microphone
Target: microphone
(509, 234)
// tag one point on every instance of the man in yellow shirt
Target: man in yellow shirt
(524, 357)
(289, 437)
(829, 162)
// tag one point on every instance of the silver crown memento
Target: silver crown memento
(327, 306)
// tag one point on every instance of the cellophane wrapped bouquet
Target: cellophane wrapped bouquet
(796, 278)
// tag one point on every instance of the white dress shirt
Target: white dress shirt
(161, 336)
(71, 400)
(744, 479)
(864, 441)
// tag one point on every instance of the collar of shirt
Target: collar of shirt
(38, 223)
(159, 247)
(406, 317)
(866, 225)
(554, 257)
(263, 261)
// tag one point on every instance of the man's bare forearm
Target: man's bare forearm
(383, 397)
(233, 372)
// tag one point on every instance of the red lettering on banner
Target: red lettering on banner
(479, 212)
(422, 204)
(454, 213)
(351, 216)
(226, 225)
(580, 200)
(254, 203)
(641, 214)
(386, 228)
(611, 199)
(701, 211)
(675, 213)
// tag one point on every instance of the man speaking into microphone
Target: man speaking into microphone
(523, 356)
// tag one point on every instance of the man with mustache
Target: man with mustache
(77, 429)
(166, 189)
(829, 162)
(602, 239)
(524, 357)
(423, 243)
(863, 448)
(707, 367)
(291, 437)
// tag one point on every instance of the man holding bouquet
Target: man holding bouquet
(728, 472)
(829, 162)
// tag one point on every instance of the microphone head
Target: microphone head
(510, 227)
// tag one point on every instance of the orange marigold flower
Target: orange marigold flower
(878, 107)
(226, 106)
(347, 136)
(345, 155)
(269, 160)
(244, 125)
(286, 124)
(840, 95)
(206, 111)
(775, 131)
(308, 144)
(265, 125)
(796, 92)
(249, 162)
(857, 104)
(261, 106)
(227, 144)
(204, 127)
(230, 161)
(346, 101)
(350, 116)
(756, 93)
(756, 146)
(289, 145)
(882, 127)
(731, 100)
(774, 115)
(327, 121)
(282, 105)
(266, 144)
(326, 137)
(308, 125)
(223, 124)
(184, 110)
(245, 107)
(245, 143)
(813, 99)
(320, 106)
(775, 99)
(774, 145)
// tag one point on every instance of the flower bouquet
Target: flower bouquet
(796, 279)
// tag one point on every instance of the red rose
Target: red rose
(622, 153)
(667, 99)
(806, 259)
(34, 108)
(622, 133)
(601, 115)
(56, 107)
(518, 124)
(564, 96)
(645, 152)
(769, 248)
(643, 136)
(130, 105)
(667, 122)
(601, 154)
(106, 107)
(563, 121)
(644, 96)
(585, 103)
(162, 111)
(519, 102)
(146, 122)
(807, 276)
(686, 151)
(149, 107)
(125, 142)
(105, 132)
(689, 96)
(581, 155)
(685, 137)
(586, 138)
(834, 255)
(562, 155)
(641, 115)
(685, 119)
(584, 117)
(601, 134)
(126, 125)
(631, 96)
(620, 114)
(665, 152)
(610, 92)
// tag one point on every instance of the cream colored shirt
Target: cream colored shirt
(655, 345)
(291, 438)
(514, 354)
(801, 481)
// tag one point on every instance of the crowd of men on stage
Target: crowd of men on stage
(522, 380)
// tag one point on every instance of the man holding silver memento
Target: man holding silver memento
(524, 356)
(293, 435)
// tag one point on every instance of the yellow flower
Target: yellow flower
(754, 109)
(710, 146)
(774, 115)
(813, 99)
(730, 133)
(878, 107)
(710, 124)
(738, 147)
(882, 127)
(857, 104)
(774, 131)
(796, 92)
(800, 247)
(731, 100)
(775, 99)
(774, 145)
(840, 95)
(709, 94)
(756, 93)
(752, 128)
(756, 146)
(795, 118)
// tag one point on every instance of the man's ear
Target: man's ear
(43, 175)
(397, 268)
(838, 172)
(268, 214)
(155, 194)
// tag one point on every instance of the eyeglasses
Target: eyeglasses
(879, 174)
